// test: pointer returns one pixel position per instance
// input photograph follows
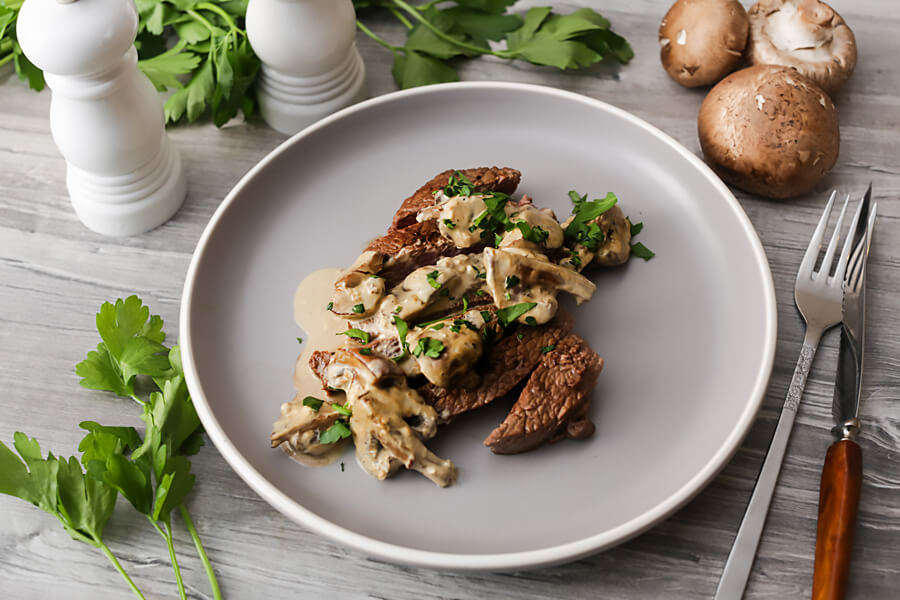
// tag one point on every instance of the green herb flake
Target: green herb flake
(546, 349)
(329, 306)
(359, 308)
(636, 228)
(299, 340)
(519, 336)
(642, 251)
(437, 327)
(486, 315)
(580, 230)
(449, 224)
(531, 321)
(430, 347)
(342, 466)
(365, 351)
(402, 330)
(313, 403)
(574, 258)
(465, 301)
(398, 310)
(511, 313)
(512, 281)
(341, 409)
(432, 279)
(357, 334)
(335, 433)
(481, 293)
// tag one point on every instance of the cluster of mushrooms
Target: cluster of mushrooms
(771, 128)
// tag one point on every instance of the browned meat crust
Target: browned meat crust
(508, 362)
(410, 248)
(497, 179)
(554, 402)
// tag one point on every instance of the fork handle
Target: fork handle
(838, 501)
(740, 560)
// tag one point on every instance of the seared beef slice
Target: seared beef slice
(410, 244)
(495, 179)
(509, 361)
(554, 402)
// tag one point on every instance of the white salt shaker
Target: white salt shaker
(310, 64)
(124, 177)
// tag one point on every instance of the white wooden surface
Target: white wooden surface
(54, 274)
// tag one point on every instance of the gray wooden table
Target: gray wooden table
(54, 274)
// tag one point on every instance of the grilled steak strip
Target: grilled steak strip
(495, 179)
(508, 362)
(554, 402)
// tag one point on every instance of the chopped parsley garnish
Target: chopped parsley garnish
(486, 315)
(465, 303)
(402, 330)
(481, 293)
(642, 251)
(519, 336)
(430, 347)
(536, 234)
(432, 279)
(482, 276)
(313, 403)
(359, 308)
(458, 185)
(365, 351)
(397, 310)
(574, 258)
(635, 228)
(335, 433)
(342, 409)
(580, 230)
(342, 466)
(299, 340)
(508, 296)
(437, 327)
(546, 349)
(357, 334)
(449, 224)
(466, 322)
(512, 281)
(531, 321)
(444, 292)
(511, 313)
(329, 306)
(497, 239)
(374, 276)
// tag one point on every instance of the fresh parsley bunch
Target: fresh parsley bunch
(153, 473)
(439, 32)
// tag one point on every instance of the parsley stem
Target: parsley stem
(210, 573)
(225, 16)
(198, 17)
(400, 17)
(112, 558)
(377, 39)
(167, 535)
(428, 25)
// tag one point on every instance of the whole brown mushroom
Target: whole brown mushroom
(806, 35)
(701, 41)
(770, 131)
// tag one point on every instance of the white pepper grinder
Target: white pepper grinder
(310, 64)
(123, 176)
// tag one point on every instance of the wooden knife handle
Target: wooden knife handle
(838, 500)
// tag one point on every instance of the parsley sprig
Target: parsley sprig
(466, 28)
(581, 230)
(152, 472)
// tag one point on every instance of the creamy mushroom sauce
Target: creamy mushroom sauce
(389, 419)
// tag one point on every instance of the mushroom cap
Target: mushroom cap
(806, 35)
(701, 41)
(770, 131)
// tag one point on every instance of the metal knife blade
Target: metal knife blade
(848, 381)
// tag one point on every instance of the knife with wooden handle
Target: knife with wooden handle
(842, 472)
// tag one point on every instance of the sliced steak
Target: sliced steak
(554, 402)
(508, 362)
(495, 179)
(407, 249)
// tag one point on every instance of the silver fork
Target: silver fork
(818, 296)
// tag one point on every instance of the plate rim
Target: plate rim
(491, 561)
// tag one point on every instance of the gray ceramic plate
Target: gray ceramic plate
(688, 337)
